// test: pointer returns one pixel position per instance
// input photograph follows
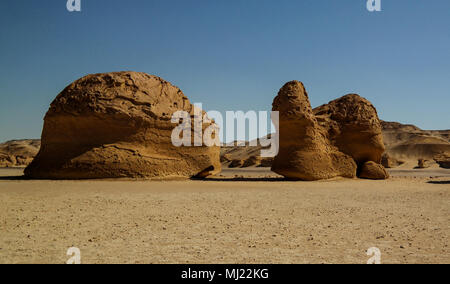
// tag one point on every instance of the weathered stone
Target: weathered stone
(118, 125)
(305, 152)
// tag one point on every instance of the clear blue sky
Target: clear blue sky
(230, 55)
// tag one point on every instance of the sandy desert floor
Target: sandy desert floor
(241, 216)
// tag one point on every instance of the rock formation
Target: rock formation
(118, 125)
(388, 162)
(372, 170)
(423, 164)
(305, 151)
(238, 163)
(404, 144)
(342, 138)
(266, 162)
(252, 161)
(226, 158)
(353, 126)
(443, 160)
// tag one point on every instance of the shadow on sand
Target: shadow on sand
(439, 182)
(244, 179)
(221, 179)
(14, 178)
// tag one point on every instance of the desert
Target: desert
(256, 217)
(244, 133)
(244, 213)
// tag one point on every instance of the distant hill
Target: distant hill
(410, 142)
(18, 153)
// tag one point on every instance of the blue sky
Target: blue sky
(230, 55)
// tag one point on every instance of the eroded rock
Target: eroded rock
(331, 140)
(443, 160)
(118, 125)
(352, 125)
(372, 170)
(305, 152)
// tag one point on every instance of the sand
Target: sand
(241, 216)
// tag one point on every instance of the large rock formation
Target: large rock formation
(305, 152)
(353, 126)
(341, 138)
(118, 125)
(404, 144)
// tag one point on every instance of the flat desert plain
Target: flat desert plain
(240, 216)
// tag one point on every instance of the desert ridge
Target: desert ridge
(18, 153)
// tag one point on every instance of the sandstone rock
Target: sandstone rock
(352, 125)
(236, 163)
(372, 170)
(252, 161)
(388, 162)
(443, 160)
(305, 152)
(423, 164)
(266, 162)
(118, 125)
(226, 158)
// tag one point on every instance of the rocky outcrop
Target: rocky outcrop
(407, 142)
(118, 125)
(266, 162)
(352, 125)
(423, 164)
(336, 139)
(404, 144)
(372, 170)
(305, 151)
(252, 161)
(388, 162)
(236, 163)
(225, 158)
(18, 153)
(443, 160)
